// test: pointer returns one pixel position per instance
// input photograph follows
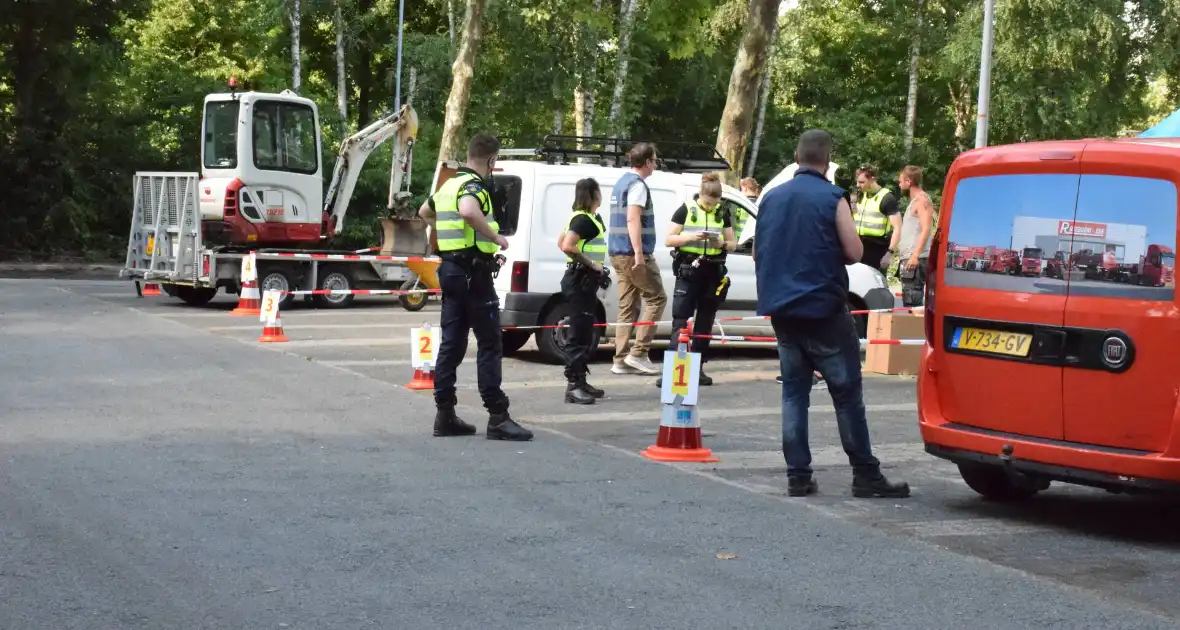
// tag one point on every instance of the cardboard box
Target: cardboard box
(886, 359)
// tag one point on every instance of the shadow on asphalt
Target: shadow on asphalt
(1138, 519)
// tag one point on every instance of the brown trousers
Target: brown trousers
(637, 285)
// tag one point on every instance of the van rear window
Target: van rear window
(507, 202)
(1093, 235)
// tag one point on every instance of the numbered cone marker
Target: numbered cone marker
(423, 351)
(272, 329)
(679, 438)
(249, 302)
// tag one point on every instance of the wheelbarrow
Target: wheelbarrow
(425, 277)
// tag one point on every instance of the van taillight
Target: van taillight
(520, 277)
(230, 208)
(931, 277)
(204, 266)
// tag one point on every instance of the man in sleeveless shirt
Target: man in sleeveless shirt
(917, 224)
(804, 237)
(631, 241)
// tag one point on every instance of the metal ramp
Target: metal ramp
(165, 239)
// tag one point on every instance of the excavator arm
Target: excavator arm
(353, 153)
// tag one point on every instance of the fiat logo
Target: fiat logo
(1114, 352)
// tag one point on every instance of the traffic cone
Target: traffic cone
(151, 289)
(679, 438)
(423, 379)
(272, 331)
(249, 300)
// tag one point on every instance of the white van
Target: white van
(539, 199)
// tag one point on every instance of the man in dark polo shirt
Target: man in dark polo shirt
(803, 239)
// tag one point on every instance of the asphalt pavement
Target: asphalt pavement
(160, 468)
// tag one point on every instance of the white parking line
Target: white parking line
(289, 327)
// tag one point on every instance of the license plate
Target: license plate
(992, 341)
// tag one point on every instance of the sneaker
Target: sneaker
(643, 365)
(621, 367)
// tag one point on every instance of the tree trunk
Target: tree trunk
(587, 79)
(962, 108)
(461, 72)
(558, 119)
(294, 14)
(911, 104)
(451, 24)
(626, 26)
(341, 77)
(733, 136)
(762, 99)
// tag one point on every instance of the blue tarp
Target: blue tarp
(1167, 128)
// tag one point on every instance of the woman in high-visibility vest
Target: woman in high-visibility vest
(702, 234)
(584, 244)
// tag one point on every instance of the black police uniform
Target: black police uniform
(701, 287)
(470, 303)
(579, 289)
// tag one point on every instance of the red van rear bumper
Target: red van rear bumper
(1071, 462)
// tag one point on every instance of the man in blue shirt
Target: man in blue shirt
(803, 239)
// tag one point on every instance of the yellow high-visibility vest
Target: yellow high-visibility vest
(869, 220)
(595, 248)
(453, 232)
(699, 219)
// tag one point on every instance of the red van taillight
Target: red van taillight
(931, 277)
(520, 277)
(230, 208)
(204, 266)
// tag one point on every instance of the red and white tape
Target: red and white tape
(361, 291)
(350, 257)
(752, 318)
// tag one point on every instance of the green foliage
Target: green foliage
(90, 92)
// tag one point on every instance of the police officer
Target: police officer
(702, 234)
(878, 222)
(584, 244)
(466, 238)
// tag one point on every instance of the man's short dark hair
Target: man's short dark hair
(641, 153)
(814, 148)
(482, 146)
(867, 169)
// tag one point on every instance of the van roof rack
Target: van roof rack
(677, 157)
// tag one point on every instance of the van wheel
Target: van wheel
(995, 484)
(514, 340)
(553, 341)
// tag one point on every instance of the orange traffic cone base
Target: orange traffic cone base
(679, 444)
(422, 380)
(272, 335)
(690, 455)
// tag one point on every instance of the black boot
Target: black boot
(878, 486)
(801, 486)
(590, 389)
(501, 426)
(577, 393)
(447, 424)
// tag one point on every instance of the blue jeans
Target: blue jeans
(831, 347)
(469, 304)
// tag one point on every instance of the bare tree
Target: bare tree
(911, 103)
(733, 135)
(341, 77)
(294, 15)
(461, 72)
(627, 10)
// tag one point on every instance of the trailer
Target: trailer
(261, 190)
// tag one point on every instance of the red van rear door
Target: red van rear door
(998, 326)
(1122, 367)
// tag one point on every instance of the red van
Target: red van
(1028, 380)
